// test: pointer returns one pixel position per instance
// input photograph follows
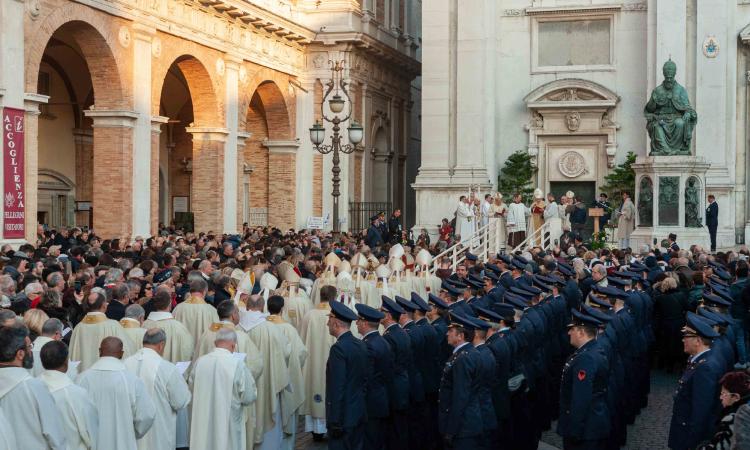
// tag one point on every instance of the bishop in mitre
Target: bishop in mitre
(78, 414)
(126, 411)
(180, 342)
(364, 288)
(268, 284)
(296, 301)
(229, 319)
(424, 282)
(275, 350)
(222, 390)
(382, 273)
(165, 385)
(195, 313)
(318, 341)
(132, 323)
(291, 399)
(327, 278)
(93, 328)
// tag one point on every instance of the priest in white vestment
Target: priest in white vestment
(78, 414)
(180, 342)
(464, 219)
(51, 331)
(275, 350)
(296, 301)
(165, 385)
(229, 318)
(318, 342)
(7, 435)
(485, 208)
(222, 387)
(291, 399)
(195, 313)
(126, 411)
(132, 323)
(89, 333)
(29, 408)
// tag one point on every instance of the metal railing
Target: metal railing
(546, 236)
(360, 213)
(481, 243)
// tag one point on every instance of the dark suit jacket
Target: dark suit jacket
(115, 310)
(381, 361)
(347, 372)
(712, 215)
(401, 348)
(459, 412)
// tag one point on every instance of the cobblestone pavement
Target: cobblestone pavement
(649, 431)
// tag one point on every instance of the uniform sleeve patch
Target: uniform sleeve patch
(581, 375)
(318, 398)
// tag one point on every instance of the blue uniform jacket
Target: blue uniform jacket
(416, 340)
(432, 367)
(347, 372)
(462, 307)
(401, 349)
(583, 390)
(696, 403)
(381, 361)
(459, 412)
(498, 344)
(486, 378)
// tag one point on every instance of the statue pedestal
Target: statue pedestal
(670, 198)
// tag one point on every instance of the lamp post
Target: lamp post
(317, 133)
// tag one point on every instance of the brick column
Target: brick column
(113, 172)
(282, 183)
(156, 123)
(31, 161)
(207, 187)
(84, 141)
(242, 177)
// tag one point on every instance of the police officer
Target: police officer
(431, 369)
(460, 417)
(416, 383)
(584, 421)
(347, 370)
(438, 317)
(695, 404)
(397, 436)
(486, 374)
(381, 361)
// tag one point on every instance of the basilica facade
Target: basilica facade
(567, 82)
(123, 114)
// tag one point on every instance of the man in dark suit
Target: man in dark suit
(381, 361)
(712, 220)
(374, 236)
(398, 388)
(394, 227)
(460, 416)
(383, 227)
(696, 401)
(347, 371)
(584, 421)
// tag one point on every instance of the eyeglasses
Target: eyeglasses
(149, 287)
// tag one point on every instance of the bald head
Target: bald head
(111, 346)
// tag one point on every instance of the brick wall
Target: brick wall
(282, 182)
(207, 185)
(357, 176)
(113, 169)
(317, 183)
(84, 172)
(256, 154)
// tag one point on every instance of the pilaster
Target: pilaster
(156, 124)
(31, 104)
(142, 139)
(231, 177)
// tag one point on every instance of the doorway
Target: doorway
(585, 189)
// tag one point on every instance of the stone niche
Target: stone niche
(670, 198)
(572, 131)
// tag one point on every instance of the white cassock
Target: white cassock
(275, 350)
(37, 352)
(7, 436)
(296, 305)
(78, 414)
(134, 331)
(485, 208)
(88, 334)
(168, 391)
(180, 342)
(291, 399)
(30, 411)
(126, 411)
(464, 221)
(222, 388)
(196, 315)
(318, 342)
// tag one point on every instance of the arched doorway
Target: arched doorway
(72, 69)
(186, 198)
(270, 152)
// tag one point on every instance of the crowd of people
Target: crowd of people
(235, 341)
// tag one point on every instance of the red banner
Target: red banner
(14, 201)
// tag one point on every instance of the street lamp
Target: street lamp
(317, 133)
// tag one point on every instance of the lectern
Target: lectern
(596, 213)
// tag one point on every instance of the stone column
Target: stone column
(156, 123)
(306, 183)
(142, 139)
(243, 178)
(231, 179)
(31, 160)
(207, 187)
(84, 141)
(113, 171)
(282, 177)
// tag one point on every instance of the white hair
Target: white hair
(32, 287)
(225, 335)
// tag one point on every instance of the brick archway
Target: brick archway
(93, 33)
(207, 111)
